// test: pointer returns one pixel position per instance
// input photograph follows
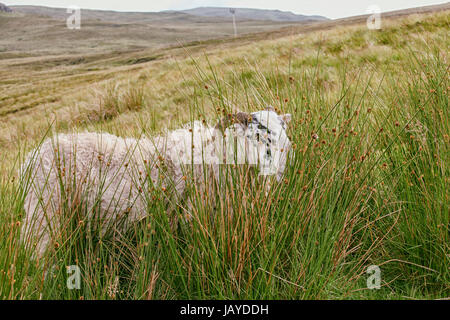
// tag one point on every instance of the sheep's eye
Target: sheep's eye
(261, 127)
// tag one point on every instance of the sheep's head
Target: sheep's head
(259, 138)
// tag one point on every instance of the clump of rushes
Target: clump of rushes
(116, 100)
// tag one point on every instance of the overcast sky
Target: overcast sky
(329, 8)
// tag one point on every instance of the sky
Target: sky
(330, 8)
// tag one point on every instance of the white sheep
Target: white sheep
(106, 178)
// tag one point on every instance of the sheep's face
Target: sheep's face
(267, 134)
(257, 139)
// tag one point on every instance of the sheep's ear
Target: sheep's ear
(270, 108)
(286, 118)
(240, 117)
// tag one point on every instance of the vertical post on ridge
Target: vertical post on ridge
(233, 12)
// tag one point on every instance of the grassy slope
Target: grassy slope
(371, 190)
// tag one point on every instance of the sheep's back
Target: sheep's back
(92, 172)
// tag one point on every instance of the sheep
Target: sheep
(110, 173)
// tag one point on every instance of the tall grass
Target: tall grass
(366, 185)
(115, 101)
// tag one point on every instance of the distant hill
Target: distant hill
(4, 8)
(43, 29)
(38, 30)
(107, 15)
(206, 14)
(253, 14)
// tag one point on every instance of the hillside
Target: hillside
(253, 14)
(35, 30)
(47, 52)
(110, 16)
